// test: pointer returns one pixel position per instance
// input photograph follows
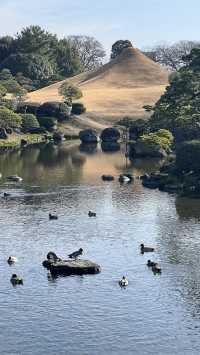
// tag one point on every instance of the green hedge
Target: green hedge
(47, 122)
(29, 122)
(78, 108)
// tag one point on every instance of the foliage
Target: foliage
(179, 108)
(171, 56)
(69, 92)
(36, 57)
(6, 74)
(9, 119)
(28, 107)
(20, 93)
(188, 156)
(29, 122)
(138, 128)
(56, 109)
(16, 143)
(3, 91)
(160, 139)
(47, 122)
(78, 108)
(89, 51)
(118, 47)
(67, 59)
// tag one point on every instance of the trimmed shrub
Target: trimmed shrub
(78, 108)
(47, 122)
(9, 118)
(162, 139)
(69, 92)
(29, 122)
(29, 107)
(54, 109)
(138, 128)
(110, 135)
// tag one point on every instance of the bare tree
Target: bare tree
(171, 56)
(89, 50)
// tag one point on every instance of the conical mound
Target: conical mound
(130, 69)
(119, 88)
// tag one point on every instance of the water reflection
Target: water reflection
(88, 148)
(188, 208)
(110, 147)
(67, 179)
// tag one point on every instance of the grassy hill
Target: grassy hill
(119, 88)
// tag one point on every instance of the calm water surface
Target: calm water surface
(92, 315)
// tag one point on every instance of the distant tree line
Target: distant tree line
(35, 58)
(172, 56)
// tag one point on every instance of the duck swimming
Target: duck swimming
(53, 216)
(91, 214)
(75, 254)
(15, 280)
(14, 178)
(150, 263)
(6, 194)
(107, 177)
(156, 269)
(146, 249)
(12, 260)
(125, 178)
(123, 282)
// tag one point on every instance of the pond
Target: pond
(91, 314)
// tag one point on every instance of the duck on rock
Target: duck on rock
(76, 254)
(15, 280)
(146, 249)
(123, 282)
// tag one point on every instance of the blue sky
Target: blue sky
(144, 22)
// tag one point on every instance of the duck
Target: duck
(75, 254)
(146, 249)
(107, 177)
(51, 256)
(12, 260)
(53, 216)
(14, 178)
(150, 263)
(124, 178)
(123, 282)
(156, 268)
(15, 280)
(6, 194)
(91, 214)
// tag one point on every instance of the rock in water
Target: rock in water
(74, 267)
(88, 136)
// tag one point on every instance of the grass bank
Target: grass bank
(14, 141)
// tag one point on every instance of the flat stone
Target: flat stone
(74, 267)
